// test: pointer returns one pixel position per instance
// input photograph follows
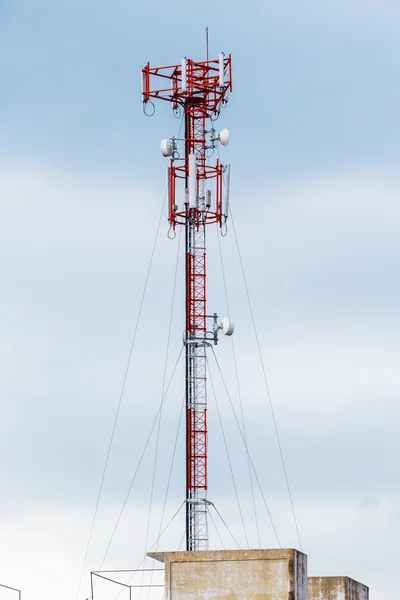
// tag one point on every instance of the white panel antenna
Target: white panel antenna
(169, 185)
(143, 83)
(225, 208)
(184, 75)
(192, 181)
(221, 69)
(208, 199)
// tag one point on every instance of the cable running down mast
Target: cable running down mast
(198, 195)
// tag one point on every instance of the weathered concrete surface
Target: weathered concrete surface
(336, 588)
(235, 575)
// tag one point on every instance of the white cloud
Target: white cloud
(88, 254)
(316, 374)
(325, 219)
(339, 12)
(46, 210)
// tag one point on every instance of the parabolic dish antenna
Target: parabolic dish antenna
(227, 326)
(223, 137)
(167, 147)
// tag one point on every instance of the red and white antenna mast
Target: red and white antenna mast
(198, 194)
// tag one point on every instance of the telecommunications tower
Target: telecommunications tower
(198, 196)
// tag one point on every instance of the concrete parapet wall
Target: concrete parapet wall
(336, 588)
(235, 575)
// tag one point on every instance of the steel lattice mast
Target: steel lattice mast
(200, 90)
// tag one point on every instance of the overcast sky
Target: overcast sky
(315, 198)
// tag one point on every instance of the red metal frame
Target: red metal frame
(176, 172)
(202, 99)
(202, 77)
(197, 449)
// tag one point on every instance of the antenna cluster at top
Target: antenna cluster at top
(199, 89)
(211, 79)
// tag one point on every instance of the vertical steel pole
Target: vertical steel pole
(187, 392)
(195, 336)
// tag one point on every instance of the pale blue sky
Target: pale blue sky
(315, 193)
(319, 86)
